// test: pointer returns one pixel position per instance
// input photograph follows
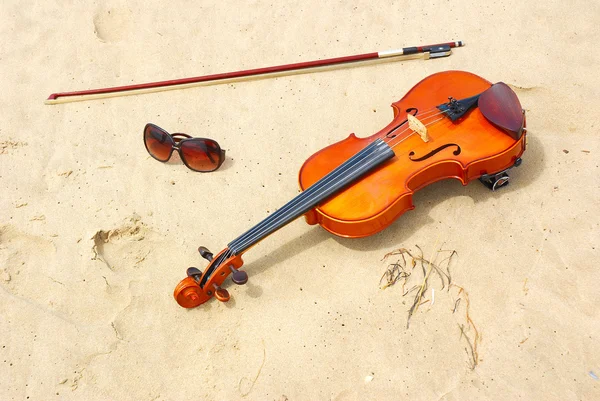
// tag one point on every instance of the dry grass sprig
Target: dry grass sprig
(474, 354)
(403, 269)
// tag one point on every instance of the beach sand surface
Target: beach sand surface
(95, 234)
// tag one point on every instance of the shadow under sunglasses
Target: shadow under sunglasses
(198, 154)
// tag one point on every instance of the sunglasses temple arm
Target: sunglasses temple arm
(210, 157)
(222, 157)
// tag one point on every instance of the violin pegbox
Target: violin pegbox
(200, 286)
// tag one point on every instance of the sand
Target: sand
(94, 234)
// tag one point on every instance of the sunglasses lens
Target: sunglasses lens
(158, 143)
(201, 154)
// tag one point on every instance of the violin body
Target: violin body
(359, 186)
(375, 201)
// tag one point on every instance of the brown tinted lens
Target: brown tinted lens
(201, 154)
(158, 143)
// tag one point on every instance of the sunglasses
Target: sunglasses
(198, 154)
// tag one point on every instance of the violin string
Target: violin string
(420, 117)
(258, 230)
(245, 242)
(322, 182)
(341, 175)
(397, 136)
(414, 132)
(262, 228)
(319, 187)
(254, 235)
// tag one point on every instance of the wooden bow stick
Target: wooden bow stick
(424, 52)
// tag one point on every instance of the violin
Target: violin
(452, 124)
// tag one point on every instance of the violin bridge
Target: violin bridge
(418, 127)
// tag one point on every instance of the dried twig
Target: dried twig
(456, 305)
(253, 381)
(473, 352)
(477, 337)
(403, 269)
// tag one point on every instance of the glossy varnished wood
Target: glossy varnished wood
(375, 201)
(188, 292)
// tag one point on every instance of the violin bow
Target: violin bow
(417, 52)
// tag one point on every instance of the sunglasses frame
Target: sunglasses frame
(177, 146)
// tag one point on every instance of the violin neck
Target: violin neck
(373, 155)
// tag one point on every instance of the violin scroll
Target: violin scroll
(200, 286)
(188, 293)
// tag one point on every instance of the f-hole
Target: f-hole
(410, 110)
(433, 152)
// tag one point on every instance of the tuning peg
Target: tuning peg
(221, 293)
(194, 272)
(238, 277)
(205, 253)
